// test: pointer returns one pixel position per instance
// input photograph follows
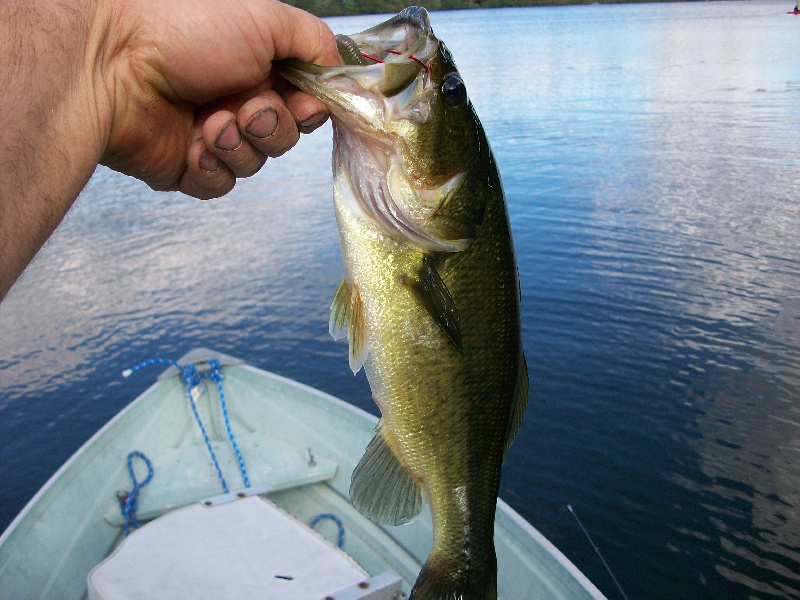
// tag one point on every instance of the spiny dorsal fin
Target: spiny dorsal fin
(347, 316)
(432, 293)
(381, 488)
(520, 403)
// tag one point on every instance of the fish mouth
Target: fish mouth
(415, 15)
(387, 65)
(385, 76)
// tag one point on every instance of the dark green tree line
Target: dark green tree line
(325, 8)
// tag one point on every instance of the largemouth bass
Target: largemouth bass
(430, 296)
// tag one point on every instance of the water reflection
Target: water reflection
(661, 211)
(736, 259)
(127, 258)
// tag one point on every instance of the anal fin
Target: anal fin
(381, 488)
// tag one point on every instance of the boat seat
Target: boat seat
(247, 548)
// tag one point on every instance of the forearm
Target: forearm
(147, 88)
(53, 119)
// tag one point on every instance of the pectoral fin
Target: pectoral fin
(347, 318)
(432, 293)
(381, 488)
(340, 309)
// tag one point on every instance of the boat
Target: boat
(223, 480)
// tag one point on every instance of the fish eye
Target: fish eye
(453, 90)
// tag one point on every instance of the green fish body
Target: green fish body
(430, 296)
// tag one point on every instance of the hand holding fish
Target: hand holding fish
(199, 74)
(180, 94)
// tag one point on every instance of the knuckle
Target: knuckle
(244, 161)
(281, 141)
(206, 185)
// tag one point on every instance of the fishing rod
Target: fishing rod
(597, 550)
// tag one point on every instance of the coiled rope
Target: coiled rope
(333, 518)
(128, 501)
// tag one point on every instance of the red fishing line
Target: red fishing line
(412, 57)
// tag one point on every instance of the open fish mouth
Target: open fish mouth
(393, 53)
(388, 112)
(388, 65)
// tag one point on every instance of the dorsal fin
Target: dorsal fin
(347, 316)
(520, 403)
(381, 488)
(432, 293)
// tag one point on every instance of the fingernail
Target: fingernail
(228, 138)
(263, 124)
(208, 162)
(314, 121)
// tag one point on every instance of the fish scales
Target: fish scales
(430, 296)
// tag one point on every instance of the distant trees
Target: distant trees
(326, 8)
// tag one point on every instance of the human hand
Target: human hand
(179, 93)
(193, 101)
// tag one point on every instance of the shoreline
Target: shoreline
(336, 8)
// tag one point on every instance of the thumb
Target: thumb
(296, 33)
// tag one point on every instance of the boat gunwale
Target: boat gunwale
(550, 548)
(74, 458)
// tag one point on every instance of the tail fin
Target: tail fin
(438, 582)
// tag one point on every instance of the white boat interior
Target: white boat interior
(240, 490)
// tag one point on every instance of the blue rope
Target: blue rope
(129, 501)
(193, 378)
(333, 518)
(215, 374)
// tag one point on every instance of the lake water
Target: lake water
(651, 159)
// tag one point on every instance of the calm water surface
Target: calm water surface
(651, 158)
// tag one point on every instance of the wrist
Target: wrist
(146, 118)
